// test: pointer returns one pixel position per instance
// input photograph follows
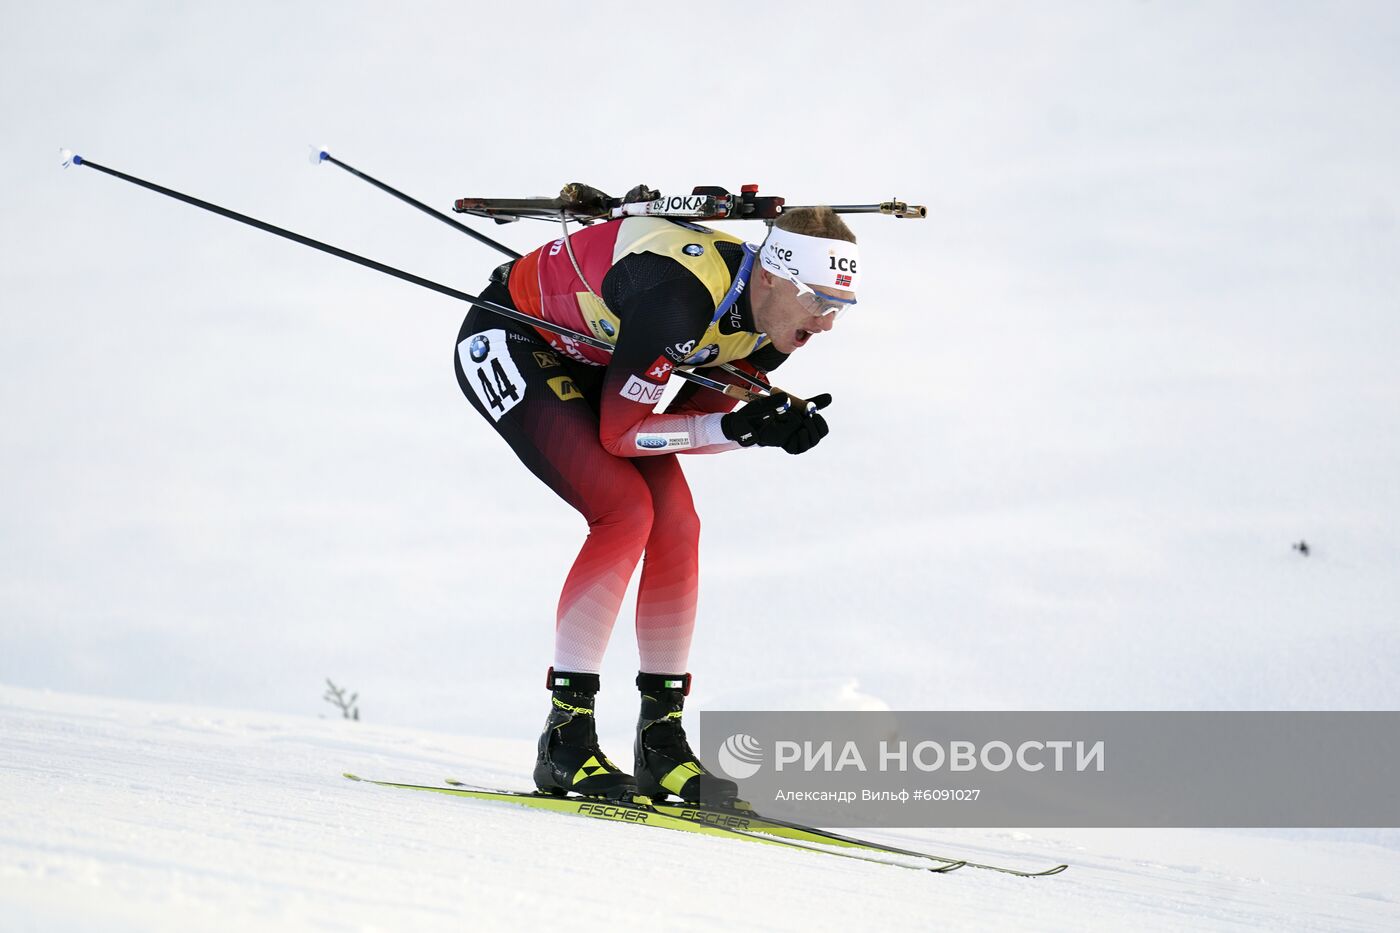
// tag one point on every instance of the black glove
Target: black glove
(774, 421)
(812, 429)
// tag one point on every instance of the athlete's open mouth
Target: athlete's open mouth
(803, 336)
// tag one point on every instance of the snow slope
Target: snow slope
(122, 815)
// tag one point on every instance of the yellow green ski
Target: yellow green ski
(745, 819)
(640, 811)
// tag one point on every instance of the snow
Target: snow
(123, 815)
(1143, 344)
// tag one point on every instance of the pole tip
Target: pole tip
(67, 157)
(318, 155)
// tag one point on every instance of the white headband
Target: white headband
(812, 260)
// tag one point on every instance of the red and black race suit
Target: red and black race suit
(585, 422)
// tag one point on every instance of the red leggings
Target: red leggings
(633, 506)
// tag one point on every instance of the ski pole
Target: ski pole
(319, 155)
(70, 158)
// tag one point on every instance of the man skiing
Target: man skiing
(664, 294)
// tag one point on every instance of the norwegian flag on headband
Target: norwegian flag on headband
(843, 281)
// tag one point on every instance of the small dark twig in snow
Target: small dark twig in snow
(336, 696)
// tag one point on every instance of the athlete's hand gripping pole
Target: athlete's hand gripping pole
(776, 421)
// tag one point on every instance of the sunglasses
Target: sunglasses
(818, 303)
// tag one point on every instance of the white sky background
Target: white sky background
(1146, 340)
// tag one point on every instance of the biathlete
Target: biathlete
(664, 294)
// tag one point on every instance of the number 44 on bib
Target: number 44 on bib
(490, 372)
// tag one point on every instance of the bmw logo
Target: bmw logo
(703, 356)
(479, 347)
(693, 249)
(608, 328)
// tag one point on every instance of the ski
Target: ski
(638, 812)
(752, 822)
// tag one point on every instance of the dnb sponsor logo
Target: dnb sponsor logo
(639, 390)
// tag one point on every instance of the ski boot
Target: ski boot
(664, 762)
(570, 760)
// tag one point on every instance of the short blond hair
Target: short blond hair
(815, 221)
